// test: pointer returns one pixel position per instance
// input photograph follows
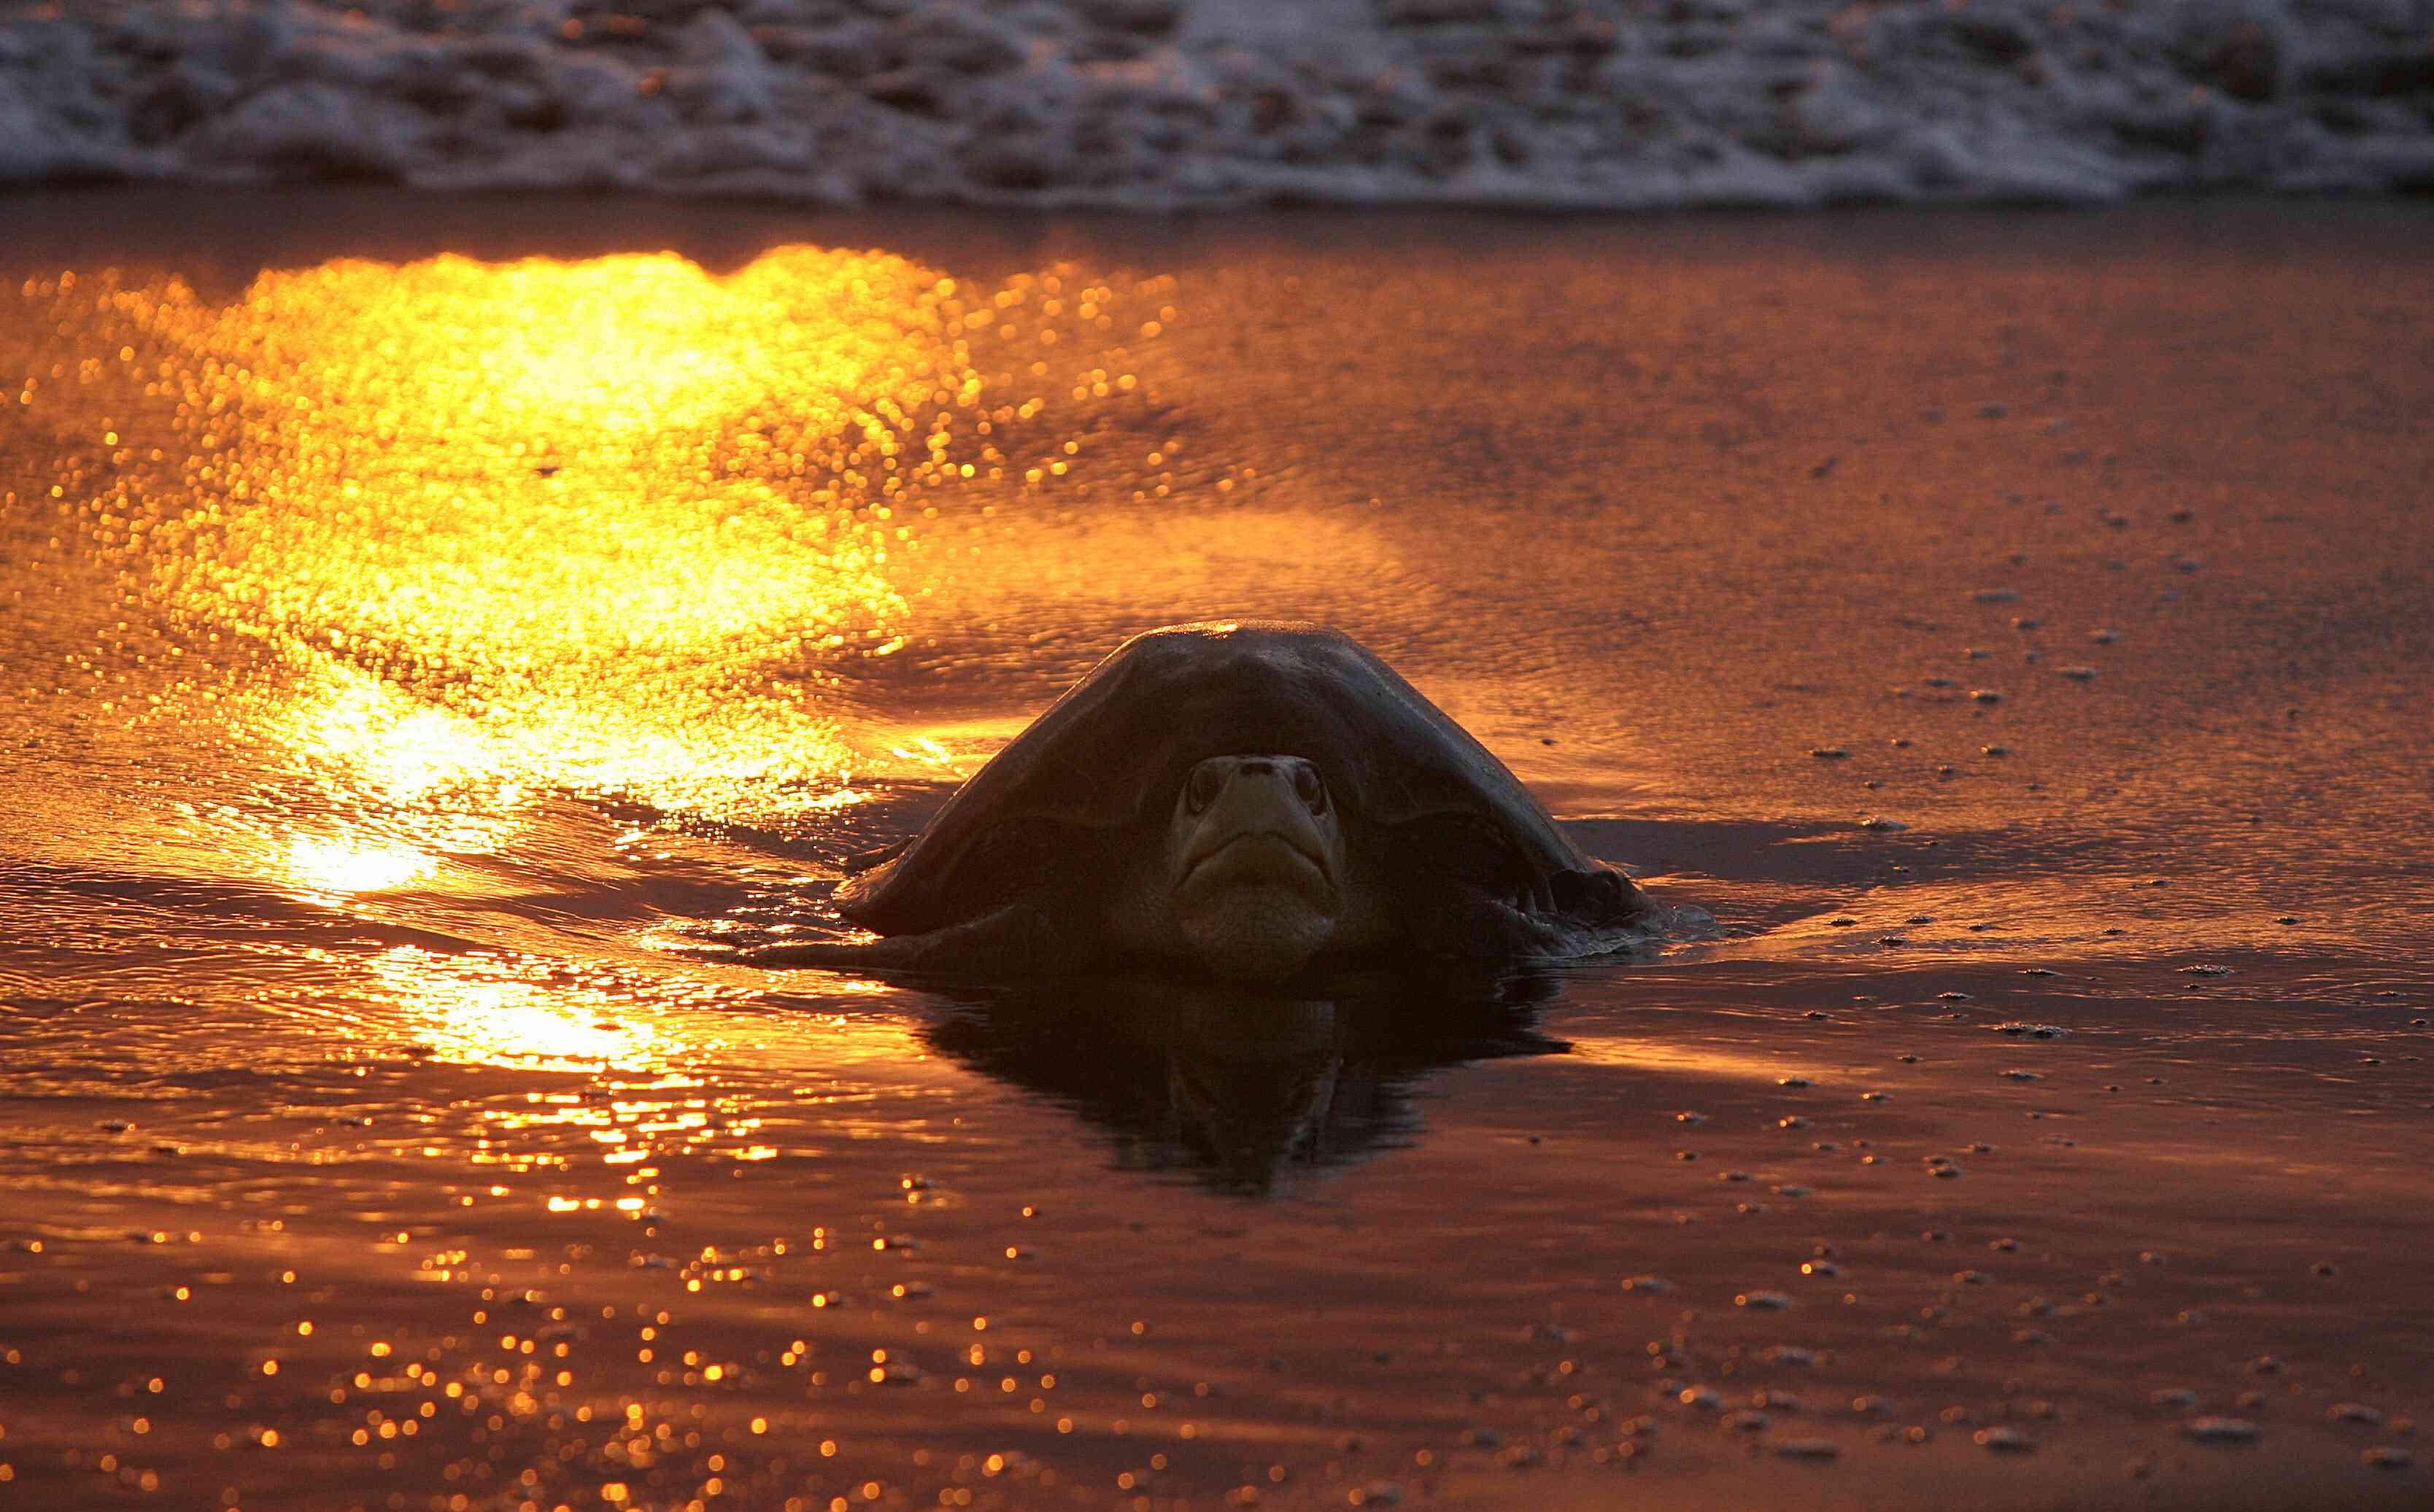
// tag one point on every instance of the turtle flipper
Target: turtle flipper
(1471, 923)
(1563, 918)
(1019, 940)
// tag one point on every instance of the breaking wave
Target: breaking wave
(1171, 104)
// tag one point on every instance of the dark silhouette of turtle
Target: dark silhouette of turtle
(1242, 1088)
(1248, 798)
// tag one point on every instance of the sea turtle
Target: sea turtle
(1247, 798)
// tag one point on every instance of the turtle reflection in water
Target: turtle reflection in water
(1243, 1089)
(1249, 799)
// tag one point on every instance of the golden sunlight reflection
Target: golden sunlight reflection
(606, 526)
(344, 868)
(529, 523)
(1684, 1058)
(528, 1014)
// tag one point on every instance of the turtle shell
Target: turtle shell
(1108, 756)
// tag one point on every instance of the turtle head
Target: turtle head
(1254, 857)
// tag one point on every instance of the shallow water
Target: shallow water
(2015, 631)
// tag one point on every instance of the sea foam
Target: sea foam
(1169, 104)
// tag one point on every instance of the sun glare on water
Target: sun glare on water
(607, 528)
(344, 869)
(536, 521)
(492, 1012)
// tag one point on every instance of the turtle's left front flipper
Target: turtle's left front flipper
(1471, 923)
(1561, 917)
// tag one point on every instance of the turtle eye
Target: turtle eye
(1201, 790)
(1309, 789)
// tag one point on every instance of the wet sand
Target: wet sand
(2014, 630)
